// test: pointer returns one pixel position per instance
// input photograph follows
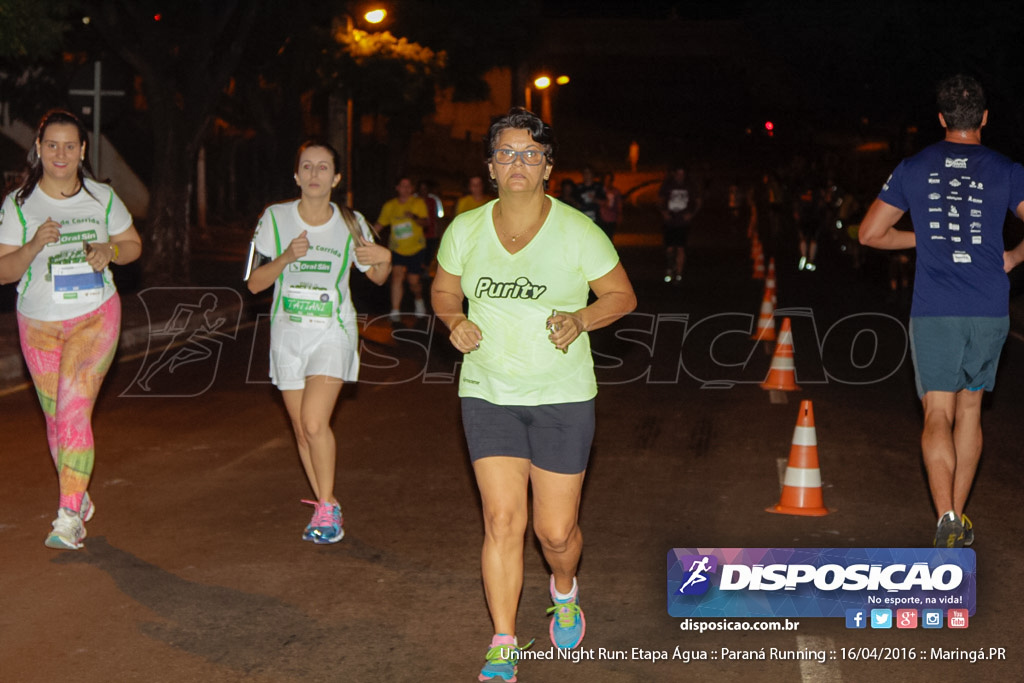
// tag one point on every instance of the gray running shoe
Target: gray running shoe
(950, 532)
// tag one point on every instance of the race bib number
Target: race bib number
(75, 283)
(678, 200)
(309, 307)
(403, 230)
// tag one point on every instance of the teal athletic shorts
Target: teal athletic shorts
(951, 353)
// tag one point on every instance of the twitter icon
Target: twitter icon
(881, 618)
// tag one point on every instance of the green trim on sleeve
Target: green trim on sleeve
(24, 224)
(277, 245)
(106, 214)
(24, 240)
(337, 283)
(107, 278)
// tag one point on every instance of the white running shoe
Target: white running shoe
(68, 531)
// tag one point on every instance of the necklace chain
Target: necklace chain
(509, 235)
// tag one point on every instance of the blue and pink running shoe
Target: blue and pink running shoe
(326, 525)
(567, 622)
(502, 660)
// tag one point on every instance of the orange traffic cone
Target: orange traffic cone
(766, 323)
(801, 489)
(782, 373)
(770, 282)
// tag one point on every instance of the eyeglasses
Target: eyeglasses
(530, 157)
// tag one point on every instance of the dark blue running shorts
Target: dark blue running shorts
(413, 264)
(951, 353)
(555, 437)
(676, 235)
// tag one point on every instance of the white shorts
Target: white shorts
(297, 353)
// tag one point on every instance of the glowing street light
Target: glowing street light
(544, 83)
(373, 16)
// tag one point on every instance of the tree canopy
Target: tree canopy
(29, 30)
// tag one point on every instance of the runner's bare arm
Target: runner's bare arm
(15, 260)
(1014, 256)
(878, 228)
(446, 298)
(265, 275)
(122, 248)
(378, 257)
(129, 245)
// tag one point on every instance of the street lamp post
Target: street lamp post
(374, 16)
(543, 83)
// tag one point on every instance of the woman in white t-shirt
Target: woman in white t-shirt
(310, 244)
(59, 232)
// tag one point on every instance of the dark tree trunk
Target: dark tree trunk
(167, 230)
(184, 70)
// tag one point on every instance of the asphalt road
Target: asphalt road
(194, 569)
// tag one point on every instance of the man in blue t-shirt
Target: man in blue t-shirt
(957, 193)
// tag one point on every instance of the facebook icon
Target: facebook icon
(856, 618)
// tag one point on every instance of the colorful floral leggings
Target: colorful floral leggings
(68, 360)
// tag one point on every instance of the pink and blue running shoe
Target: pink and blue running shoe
(326, 526)
(502, 660)
(567, 623)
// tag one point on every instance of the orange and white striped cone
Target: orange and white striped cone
(766, 322)
(782, 373)
(801, 488)
(770, 282)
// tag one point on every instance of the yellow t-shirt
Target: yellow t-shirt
(406, 234)
(467, 203)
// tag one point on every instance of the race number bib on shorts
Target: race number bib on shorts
(309, 307)
(76, 282)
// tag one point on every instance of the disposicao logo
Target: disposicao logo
(818, 582)
(696, 582)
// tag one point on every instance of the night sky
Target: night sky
(831, 72)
